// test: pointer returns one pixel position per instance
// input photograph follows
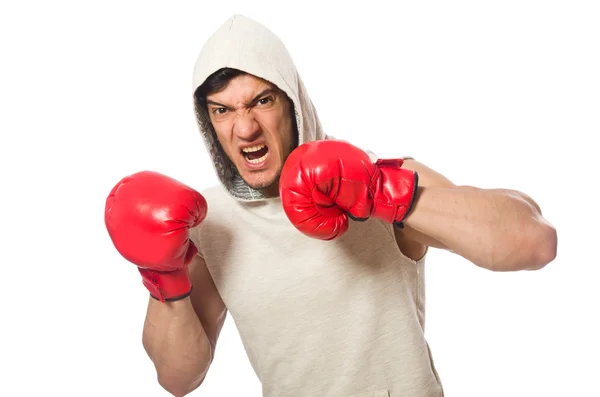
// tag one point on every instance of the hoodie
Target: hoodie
(341, 318)
(244, 44)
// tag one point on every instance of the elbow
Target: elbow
(544, 248)
(177, 387)
(537, 249)
(539, 240)
(531, 250)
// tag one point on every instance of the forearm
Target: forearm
(175, 340)
(493, 228)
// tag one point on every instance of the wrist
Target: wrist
(395, 192)
(167, 286)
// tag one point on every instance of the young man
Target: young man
(320, 262)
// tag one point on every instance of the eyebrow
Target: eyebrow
(254, 100)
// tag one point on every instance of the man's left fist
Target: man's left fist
(325, 182)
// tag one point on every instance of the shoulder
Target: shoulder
(214, 192)
(217, 198)
(219, 207)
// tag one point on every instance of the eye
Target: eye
(265, 100)
(219, 111)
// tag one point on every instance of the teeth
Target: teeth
(253, 149)
(258, 160)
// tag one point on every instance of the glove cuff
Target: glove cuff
(167, 286)
(394, 191)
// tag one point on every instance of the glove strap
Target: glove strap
(167, 286)
(394, 191)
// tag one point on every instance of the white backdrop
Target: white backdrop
(492, 94)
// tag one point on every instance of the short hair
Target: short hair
(215, 83)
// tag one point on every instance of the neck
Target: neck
(271, 191)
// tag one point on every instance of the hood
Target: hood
(244, 44)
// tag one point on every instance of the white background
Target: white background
(491, 94)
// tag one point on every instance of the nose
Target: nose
(245, 126)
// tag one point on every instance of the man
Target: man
(314, 246)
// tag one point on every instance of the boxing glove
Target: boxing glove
(323, 183)
(148, 216)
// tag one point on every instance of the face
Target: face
(253, 123)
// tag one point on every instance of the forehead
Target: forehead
(242, 88)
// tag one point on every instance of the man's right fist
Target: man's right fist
(148, 216)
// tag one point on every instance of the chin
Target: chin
(264, 180)
(262, 184)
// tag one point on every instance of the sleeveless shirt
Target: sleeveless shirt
(341, 318)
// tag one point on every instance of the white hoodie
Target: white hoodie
(341, 318)
(243, 44)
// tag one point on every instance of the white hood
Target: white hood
(244, 44)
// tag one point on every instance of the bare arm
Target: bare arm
(497, 229)
(180, 337)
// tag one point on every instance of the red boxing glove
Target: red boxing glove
(148, 217)
(325, 182)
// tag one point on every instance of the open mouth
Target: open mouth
(256, 154)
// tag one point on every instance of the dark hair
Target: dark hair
(215, 83)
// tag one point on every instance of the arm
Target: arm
(496, 229)
(324, 183)
(180, 337)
